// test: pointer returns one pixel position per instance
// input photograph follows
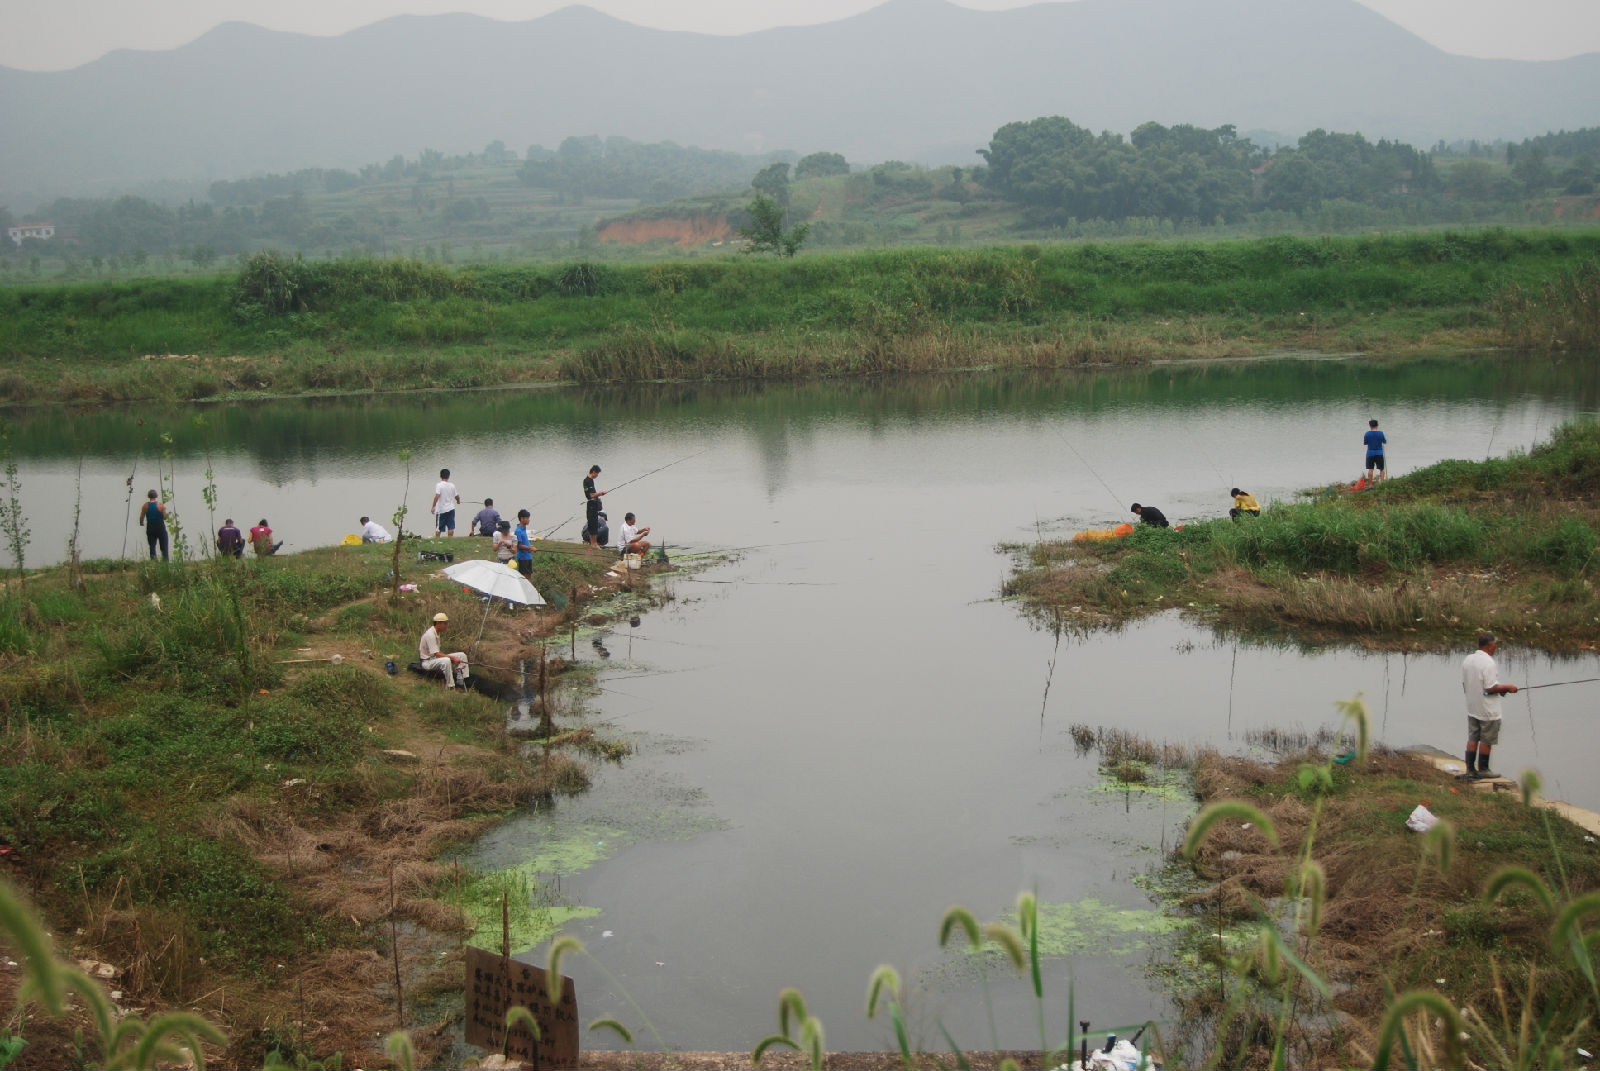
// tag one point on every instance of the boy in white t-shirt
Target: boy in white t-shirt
(373, 532)
(445, 497)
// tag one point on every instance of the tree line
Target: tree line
(1062, 175)
(1060, 171)
(620, 168)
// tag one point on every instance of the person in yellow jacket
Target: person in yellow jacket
(1244, 504)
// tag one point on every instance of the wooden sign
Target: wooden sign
(495, 985)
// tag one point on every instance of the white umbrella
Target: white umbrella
(496, 580)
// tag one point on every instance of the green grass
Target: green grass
(286, 325)
(1510, 543)
(128, 730)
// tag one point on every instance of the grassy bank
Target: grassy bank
(207, 774)
(1508, 544)
(1332, 935)
(285, 326)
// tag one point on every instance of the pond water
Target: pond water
(840, 729)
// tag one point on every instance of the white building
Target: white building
(18, 231)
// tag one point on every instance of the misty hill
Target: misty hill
(914, 79)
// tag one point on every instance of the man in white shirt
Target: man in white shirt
(453, 665)
(373, 532)
(1480, 682)
(633, 537)
(445, 497)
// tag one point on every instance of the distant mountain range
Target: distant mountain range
(918, 80)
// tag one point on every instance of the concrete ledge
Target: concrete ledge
(1454, 765)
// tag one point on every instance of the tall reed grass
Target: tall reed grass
(737, 316)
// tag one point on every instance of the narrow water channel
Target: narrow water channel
(840, 730)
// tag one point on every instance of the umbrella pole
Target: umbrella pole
(487, 606)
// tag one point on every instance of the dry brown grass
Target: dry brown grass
(1386, 919)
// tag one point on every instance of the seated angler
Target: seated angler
(453, 665)
(633, 536)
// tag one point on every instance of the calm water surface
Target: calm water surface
(840, 730)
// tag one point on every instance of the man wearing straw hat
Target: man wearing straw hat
(453, 665)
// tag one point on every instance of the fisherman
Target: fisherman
(1480, 682)
(373, 532)
(1244, 504)
(633, 537)
(261, 539)
(1374, 440)
(445, 497)
(230, 541)
(591, 506)
(153, 516)
(487, 521)
(453, 665)
(1150, 515)
(524, 543)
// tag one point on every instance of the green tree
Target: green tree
(821, 165)
(766, 232)
(772, 182)
(1291, 183)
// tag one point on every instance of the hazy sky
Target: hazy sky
(46, 35)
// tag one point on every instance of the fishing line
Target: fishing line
(767, 583)
(1085, 461)
(1207, 455)
(548, 532)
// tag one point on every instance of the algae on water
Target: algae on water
(530, 914)
(1091, 925)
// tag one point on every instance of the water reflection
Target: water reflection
(841, 731)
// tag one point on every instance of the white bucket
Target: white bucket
(633, 561)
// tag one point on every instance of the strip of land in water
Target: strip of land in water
(284, 326)
(1414, 563)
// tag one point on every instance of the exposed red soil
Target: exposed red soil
(685, 232)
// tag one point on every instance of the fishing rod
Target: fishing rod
(1557, 684)
(652, 472)
(548, 532)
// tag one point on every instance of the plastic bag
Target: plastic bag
(1421, 819)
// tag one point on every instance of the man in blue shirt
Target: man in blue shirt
(487, 520)
(1374, 440)
(524, 544)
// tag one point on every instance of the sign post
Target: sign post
(495, 985)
